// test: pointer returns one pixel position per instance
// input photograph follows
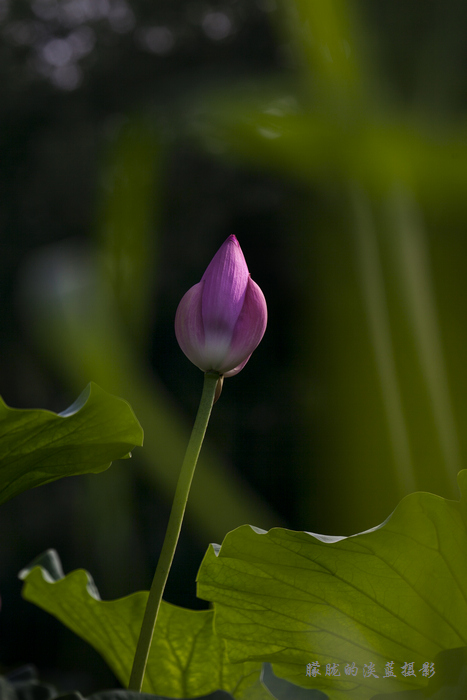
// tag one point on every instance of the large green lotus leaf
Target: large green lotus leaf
(396, 593)
(38, 446)
(186, 660)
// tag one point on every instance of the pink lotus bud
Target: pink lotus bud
(221, 320)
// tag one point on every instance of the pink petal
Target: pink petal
(248, 331)
(237, 369)
(189, 326)
(225, 283)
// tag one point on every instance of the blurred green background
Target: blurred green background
(135, 136)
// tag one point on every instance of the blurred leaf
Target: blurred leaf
(39, 446)
(279, 131)
(127, 229)
(119, 694)
(395, 593)
(23, 684)
(135, 695)
(328, 46)
(186, 660)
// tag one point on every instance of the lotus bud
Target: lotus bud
(221, 320)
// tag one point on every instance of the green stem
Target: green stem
(173, 531)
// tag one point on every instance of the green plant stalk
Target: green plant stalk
(173, 531)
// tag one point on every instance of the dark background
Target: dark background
(135, 136)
